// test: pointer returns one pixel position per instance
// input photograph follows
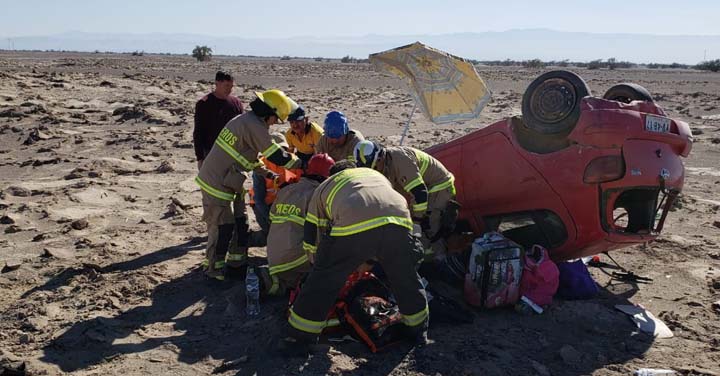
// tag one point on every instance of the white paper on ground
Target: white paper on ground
(646, 321)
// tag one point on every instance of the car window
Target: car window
(530, 227)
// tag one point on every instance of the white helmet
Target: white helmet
(366, 153)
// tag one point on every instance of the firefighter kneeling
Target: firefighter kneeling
(428, 186)
(361, 217)
(287, 260)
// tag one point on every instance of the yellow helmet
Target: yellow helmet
(278, 101)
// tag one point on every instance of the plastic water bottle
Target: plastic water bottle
(252, 292)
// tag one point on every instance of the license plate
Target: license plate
(657, 124)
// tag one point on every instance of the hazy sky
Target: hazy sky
(282, 18)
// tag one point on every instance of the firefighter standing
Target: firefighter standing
(287, 260)
(223, 173)
(339, 140)
(362, 218)
(424, 181)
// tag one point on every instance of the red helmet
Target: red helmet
(320, 165)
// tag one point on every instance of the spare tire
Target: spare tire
(628, 92)
(551, 103)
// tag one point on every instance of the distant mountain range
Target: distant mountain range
(523, 44)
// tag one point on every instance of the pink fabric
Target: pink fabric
(540, 279)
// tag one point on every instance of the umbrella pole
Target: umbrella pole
(407, 126)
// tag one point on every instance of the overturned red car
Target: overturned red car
(577, 174)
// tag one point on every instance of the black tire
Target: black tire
(551, 103)
(627, 92)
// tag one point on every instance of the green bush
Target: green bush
(202, 53)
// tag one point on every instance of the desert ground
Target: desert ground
(101, 237)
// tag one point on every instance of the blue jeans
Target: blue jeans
(261, 209)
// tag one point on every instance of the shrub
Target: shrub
(202, 53)
(286, 57)
(595, 64)
(347, 59)
(534, 63)
(711, 65)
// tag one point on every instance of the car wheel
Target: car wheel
(627, 92)
(551, 104)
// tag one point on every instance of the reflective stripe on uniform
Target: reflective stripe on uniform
(449, 183)
(270, 150)
(371, 224)
(214, 191)
(333, 322)
(274, 287)
(280, 219)
(414, 183)
(309, 247)
(420, 207)
(312, 218)
(239, 158)
(235, 257)
(305, 325)
(424, 160)
(416, 318)
(275, 269)
(340, 180)
(219, 264)
(292, 162)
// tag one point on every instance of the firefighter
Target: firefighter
(265, 189)
(224, 170)
(339, 140)
(287, 260)
(424, 181)
(361, 218)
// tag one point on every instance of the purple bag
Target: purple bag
(575, 281)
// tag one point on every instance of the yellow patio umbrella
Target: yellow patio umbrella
(446, 87)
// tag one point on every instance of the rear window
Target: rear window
(529, 227)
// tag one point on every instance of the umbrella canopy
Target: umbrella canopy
(446, 87)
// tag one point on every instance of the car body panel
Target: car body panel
(496, 175)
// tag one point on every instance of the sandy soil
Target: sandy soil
(101, 232)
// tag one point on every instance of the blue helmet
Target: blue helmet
(336, 124)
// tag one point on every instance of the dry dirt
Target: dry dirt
(101, 235)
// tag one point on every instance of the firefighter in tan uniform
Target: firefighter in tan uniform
(224, 170)
(424, 181)
(339, 140)
(361, 217)
(287, 260)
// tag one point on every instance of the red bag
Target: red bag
(540, 277)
